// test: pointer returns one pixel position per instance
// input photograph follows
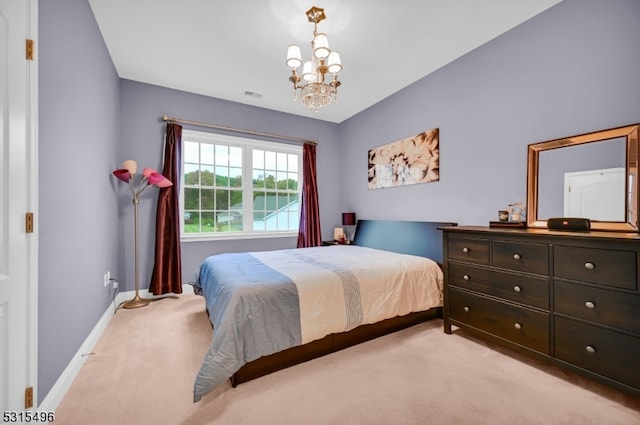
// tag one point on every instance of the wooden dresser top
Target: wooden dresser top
(623, 236)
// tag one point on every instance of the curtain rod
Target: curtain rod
(237, 130)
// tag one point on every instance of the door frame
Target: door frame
(32, 201)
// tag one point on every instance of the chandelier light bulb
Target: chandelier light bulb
(308, 71)
(321, 46)
(335, 65)
(294, 58)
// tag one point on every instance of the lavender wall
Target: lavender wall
(77, 222)
(141, 135)
(570, 70)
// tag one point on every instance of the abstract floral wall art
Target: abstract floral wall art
(407, 161)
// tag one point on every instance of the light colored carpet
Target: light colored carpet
(143, 368)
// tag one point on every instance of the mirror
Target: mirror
(592, 176)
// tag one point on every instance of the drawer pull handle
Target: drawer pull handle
(465, 277)
(590, 349)
(466, 309)
(590, 304)
(589, 266)
(518, 325)
(465, 249)
(517, 288)
(516, 256)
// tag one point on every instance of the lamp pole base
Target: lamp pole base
(136, 302)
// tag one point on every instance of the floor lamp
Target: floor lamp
(149, 178)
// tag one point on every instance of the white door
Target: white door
(17, 136)
(595, 194)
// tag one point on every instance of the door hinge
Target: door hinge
(28, 222)
(28, 398)
(30, 52)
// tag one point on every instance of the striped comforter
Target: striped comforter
(264, 302)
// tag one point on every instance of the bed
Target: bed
(274, 309)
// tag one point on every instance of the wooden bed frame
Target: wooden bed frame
(407, 237)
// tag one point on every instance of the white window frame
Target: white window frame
(247, 178)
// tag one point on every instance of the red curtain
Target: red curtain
(167, 270)
(309, 231)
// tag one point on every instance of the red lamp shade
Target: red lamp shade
(147, 171)
(349, 219)
(155, 178)
(165, 182)
(159, 180)
(122, 174)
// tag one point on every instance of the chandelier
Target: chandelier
(314, 91)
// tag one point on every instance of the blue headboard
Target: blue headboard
(420, 238)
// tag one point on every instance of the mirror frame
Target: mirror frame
(630, 132)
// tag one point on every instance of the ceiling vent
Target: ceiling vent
(253, 94)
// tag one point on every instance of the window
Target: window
(235, 187)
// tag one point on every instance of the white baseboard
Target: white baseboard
(52, 400)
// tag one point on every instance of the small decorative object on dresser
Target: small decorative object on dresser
(516, 211)
(513, 217)
(569, 223)
(572, 299)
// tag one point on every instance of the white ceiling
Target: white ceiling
(224, 48)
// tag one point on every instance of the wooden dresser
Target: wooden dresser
(569, 297)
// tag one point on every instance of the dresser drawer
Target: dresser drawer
(605, 267)
(520, 325)
(599, 350)
(469, 249)
(524, 257)
(529, 290)
(611, 308)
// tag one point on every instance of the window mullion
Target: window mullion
(247, 189)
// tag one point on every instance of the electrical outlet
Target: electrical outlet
(107, 277)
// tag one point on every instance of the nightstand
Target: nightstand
(330, 243)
